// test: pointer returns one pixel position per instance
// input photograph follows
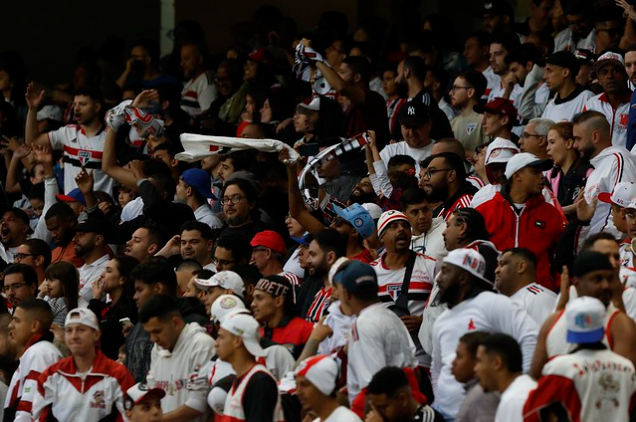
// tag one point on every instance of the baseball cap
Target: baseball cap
(373, 209)
(525, 159)
(609, 58)
(321, 371)
(270, 240)
(355, 274)
(624, 195)
(387, 218)
(589, 261)
(414, 113)
(200, 180)
(468, 260)
(314, 105)
(51, 112)
(585, 319)
(304, 240)
(500, 151)
(75, 195)
(499, 106)
(358, 217)
(566, 60)
(496, 8)
(93, 225)
(140, 391)
(82, 316)
(585, 56)
(226, 305)
(228, 280)
(246, 327)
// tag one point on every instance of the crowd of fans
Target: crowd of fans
(381, 223)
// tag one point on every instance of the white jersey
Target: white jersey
(88, 274)
(592, 386)
(174, 371)
(340, 325)
(24, 382)
(559, 110)
(493, 80)
(341, 414)
(81, 151)
(512, 400)
(402, 148)
(489, 312)
(617, 118)
(377, 339)
(536, 300)
(198, 94)
(611, 166)
(390, 282)
(431, 243)
(564, 41)
(515, 95)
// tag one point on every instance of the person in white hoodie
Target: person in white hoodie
(426, 235)
(180, 351)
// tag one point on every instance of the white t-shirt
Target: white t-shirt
(198, 94)
(87, 276)
(79, 150)
(493, 80)
(341, 414)
(536, 300)
(565, 111)
(514, 398)
(402, 148)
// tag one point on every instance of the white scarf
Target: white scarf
(197, 147)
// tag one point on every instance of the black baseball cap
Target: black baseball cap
(414, 113)
(93, 225)
(566, 60)
(496, 8)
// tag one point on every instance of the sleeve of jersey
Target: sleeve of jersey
(198, 388)
(43, 398)
(515, 321)
(57, 138)
(124, 381)
(552, 389)
(37, 363)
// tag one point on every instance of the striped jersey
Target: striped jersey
(81, 151)
(198, 93)
(536, 300)
(320, 304)
(390, 282)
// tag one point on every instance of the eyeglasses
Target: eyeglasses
(13, 287)
(20, 256)
(222, 262)
(234, 199)
(429, 173)
(456, 87)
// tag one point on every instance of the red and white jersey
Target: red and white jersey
(476, 181)
(390, 282)
(511, 403)
(564, 41)
(461, 202)
(617, 118)
(592, 386)
(233, 410)
(198, 93)
(564, 111)
(493, 80)
(63, 394)
(81, 151)
(291, 277)
(393, 111)
(556, 343)
(320, 304)
(536, 300)
(24, 383)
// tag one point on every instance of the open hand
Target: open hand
(585, 211)
(85, 181)
(144, 99)
(42, 154)
(34, 97)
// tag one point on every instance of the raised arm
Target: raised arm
(31, 133)
(12, 185)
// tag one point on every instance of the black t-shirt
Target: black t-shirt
(259, 398)
(427, 414)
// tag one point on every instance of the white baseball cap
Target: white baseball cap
(585, 318)
(226, 305)
(609, 58)
(624, 195)
(387, 218)
(500, 151)
(52, 112)
(525, 159)
(225, 279)
(246, 327)
(138, 392)
(321, 371)
(468, 260)
(82, 316)
(373, 209)
(314, 105)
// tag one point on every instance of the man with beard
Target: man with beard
(579, 33)
(472, 306)
(500, 46)
(362, 193)
(614, 101)
(443, 177)
(592, 275)
(612, 164)
(314, 294)
(354, 224)
(61, 222)
(20, 284)
(426, 230)
(193, 242)
(91, 245)
(14, 231)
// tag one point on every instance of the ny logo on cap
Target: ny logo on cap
(410, 111)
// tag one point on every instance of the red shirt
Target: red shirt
(289, 333)
(364, 256)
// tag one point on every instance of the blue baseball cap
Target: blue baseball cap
(358, 217)
(200, 180)
(355, 274)
(75, 195)
(304, 240)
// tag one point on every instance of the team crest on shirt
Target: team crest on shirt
(623, 119)
(394, 291)
(471, 325)
(470, 128)
(610, 388)
(98, 400)
(84, 157)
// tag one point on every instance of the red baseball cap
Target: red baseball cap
(499, 106)
(271, 240)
